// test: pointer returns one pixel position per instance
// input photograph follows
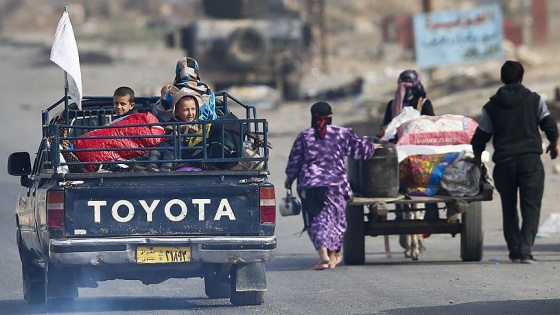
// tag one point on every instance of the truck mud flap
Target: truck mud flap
(249, 277)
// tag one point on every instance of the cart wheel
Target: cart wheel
(354, 246)
(471, 233)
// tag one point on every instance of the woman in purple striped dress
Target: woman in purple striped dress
(318, 162)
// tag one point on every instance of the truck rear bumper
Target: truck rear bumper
(101, 251)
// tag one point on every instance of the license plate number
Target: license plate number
(162, 254)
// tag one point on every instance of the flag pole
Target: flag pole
(64, 53)
(66, 81)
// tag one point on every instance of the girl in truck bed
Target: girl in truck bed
(185, 107)
(187, 78)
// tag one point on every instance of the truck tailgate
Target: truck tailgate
(178, 208)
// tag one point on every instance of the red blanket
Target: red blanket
(117, 143)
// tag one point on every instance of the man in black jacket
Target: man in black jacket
(512, 118)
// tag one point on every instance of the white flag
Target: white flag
(64, 53)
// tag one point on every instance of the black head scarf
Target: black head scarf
(321, 116)
(408, 87)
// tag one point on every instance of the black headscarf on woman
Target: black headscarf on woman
(321, 116)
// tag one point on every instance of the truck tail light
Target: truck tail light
(268, 205)
(55, 209)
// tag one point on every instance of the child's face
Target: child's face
(122, 105)
(185, 110)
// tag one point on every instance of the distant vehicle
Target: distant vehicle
(247, 42)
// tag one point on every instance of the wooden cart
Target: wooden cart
(369, 217)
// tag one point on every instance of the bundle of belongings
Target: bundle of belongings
(121, 134)
(434, 154)
(436, 130)
(409, 128)
(446, 173)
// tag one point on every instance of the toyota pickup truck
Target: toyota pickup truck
(82, 220)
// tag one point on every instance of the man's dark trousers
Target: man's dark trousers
(526, 173)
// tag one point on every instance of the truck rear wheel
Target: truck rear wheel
(471, 233)
(354, 252)
(247, 298)
(248, 283)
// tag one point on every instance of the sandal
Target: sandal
(321, 265)
(337, 260)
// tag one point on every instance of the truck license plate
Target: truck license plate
(162, 255)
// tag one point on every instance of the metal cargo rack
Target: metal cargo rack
(71, 123)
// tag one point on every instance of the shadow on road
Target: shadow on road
(305, 262)
(96, 305)
(542, 307)
(538, 249)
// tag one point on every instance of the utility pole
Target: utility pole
(426, 5)
(427, 8)
(315, 11)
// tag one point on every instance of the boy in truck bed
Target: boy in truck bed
(123, 102)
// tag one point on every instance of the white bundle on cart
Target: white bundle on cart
(436, 130)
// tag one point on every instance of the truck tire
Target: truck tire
(471, 233)
(217, 282)
(34, 284)
(354, 245)
(247, 47)
(246, 297)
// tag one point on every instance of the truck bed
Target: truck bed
(226, 143)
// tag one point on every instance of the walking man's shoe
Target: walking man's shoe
(514, 258)
(528, 260)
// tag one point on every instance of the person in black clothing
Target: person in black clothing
(409, 92)
(511, 118)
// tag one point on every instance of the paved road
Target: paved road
(439, 283)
